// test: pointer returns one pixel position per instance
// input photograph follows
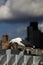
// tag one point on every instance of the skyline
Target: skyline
(16, 29)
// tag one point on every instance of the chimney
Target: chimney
(5, 38)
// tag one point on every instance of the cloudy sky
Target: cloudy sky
(20, 8)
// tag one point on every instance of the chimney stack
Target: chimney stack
(5, 38)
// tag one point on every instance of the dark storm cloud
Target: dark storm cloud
(21, 8)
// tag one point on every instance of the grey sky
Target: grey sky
(17, 8)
